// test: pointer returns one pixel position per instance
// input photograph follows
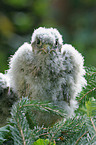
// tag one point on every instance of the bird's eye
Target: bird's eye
(56, 43)
(38, 41)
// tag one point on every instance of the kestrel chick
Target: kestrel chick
(47, 70)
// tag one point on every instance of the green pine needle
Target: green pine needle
(81, 129)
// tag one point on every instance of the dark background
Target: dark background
(75, 19)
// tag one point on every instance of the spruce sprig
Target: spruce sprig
(19, 127)
(90, 90)
(80, 129)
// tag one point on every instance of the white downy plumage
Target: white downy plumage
(47, 70)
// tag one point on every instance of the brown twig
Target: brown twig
(80, 137)
(87, 93)
(93, 137)
(94, 128)
(21, 131)
(91, 73)
(86, 132)
(93, 124)
(41, 129)
(56, 132)
(44, 134)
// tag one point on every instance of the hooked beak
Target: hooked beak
(47, 48)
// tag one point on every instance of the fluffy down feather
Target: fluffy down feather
(7, 98)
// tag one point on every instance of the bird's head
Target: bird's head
(46, 40)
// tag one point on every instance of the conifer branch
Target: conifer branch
(80, 137)
(87, 93)
(45, 107)
(93, 73)
(21, 131)
(80, 129)
(93, 137)
(93, 124)
(56, 132)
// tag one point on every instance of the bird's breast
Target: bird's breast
(44, 79)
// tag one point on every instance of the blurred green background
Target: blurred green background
(75, 19)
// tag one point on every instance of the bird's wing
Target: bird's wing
(7, 85)
(74, 72)
(3, 83)
(7, 98)
(18, 68)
